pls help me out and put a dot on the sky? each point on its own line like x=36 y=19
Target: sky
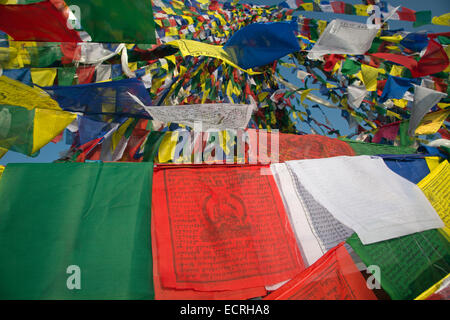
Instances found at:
x=438 y=7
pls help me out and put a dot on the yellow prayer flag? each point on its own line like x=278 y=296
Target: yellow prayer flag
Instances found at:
x=395 y=38
x=15 y=93
x=432 y=162
x=443 y=20
x=3 y=151
x=118 y=134
x=361 y=10
x=166 y=151
x=369 y=77
x=396 y=71
x=436 y=187
x=401 y=103
x=197 y=48
x=431 y=123
x=43 y=77
x=307 y=6
x=48 y=124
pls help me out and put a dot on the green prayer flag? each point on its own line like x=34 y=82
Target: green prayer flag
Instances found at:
x=405 y=139
x=118 y=20
x=407 y=265
x=16 y=129
x=350 y=66
x=66 y=76
x=76 y=231
x=422 y=18
x=444 y=40
x=363 y=148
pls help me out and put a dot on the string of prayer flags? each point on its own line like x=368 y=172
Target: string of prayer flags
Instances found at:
x=221 y=228
x=79 y=249
x=333 y=277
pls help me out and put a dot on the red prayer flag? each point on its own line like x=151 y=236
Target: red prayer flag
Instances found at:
x=85 y=74
x=221 y=227
x=333 y=277
x=162 y=293
x=433 y=61
x=388 y=132
x=40 y=21
x=406 y=14
x=311 y=146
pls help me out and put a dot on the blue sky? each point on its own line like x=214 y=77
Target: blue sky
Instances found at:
x=438 y=7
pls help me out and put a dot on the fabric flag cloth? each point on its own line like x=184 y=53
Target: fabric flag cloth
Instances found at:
x=221 y=228
x=432 y=122
x=409 y=265
x=23 y=75
x=43 y=76
x=29 y=118
x=94 y=218
x=315 y=228
x=438 y=291
x=393 y=206
x=369 y=77
x=16 y=93
x=343 y=37
x=296 y=147
x=355 y=96
x=434 y=60
x=3 y=151
x=424 y=99
x=117 y=21
x=436 y=188
x=2 y=168
x=105 y=98
x=415 y=41
x=333 y=277
x=219 y=116
x=162 y=293
x=259 y=44
x=388 y=132
x=27 y=131
x=42 y=21
x=395 y=88
x=363 y=148
x=411 y=167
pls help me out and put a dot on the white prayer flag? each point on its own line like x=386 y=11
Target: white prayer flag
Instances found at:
x=343 y=37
